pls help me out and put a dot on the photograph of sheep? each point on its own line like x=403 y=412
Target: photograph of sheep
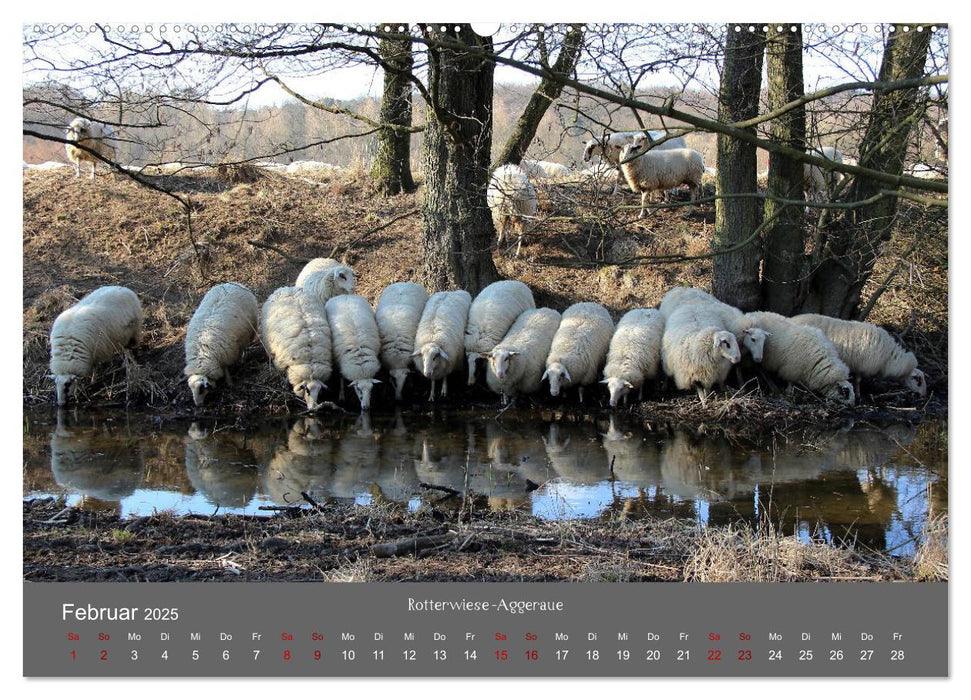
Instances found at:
x=414 y=302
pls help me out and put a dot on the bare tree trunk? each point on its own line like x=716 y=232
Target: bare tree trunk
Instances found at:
x=549 y=90
x=735 y=275
x=458 y=232
x=854 y=241
x=392 y=167
x=785 y=244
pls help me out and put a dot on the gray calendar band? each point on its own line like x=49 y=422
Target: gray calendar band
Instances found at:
x=485 y=629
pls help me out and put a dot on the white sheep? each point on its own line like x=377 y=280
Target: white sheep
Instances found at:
x=516 y=363
x=95 y=136
x=648 y=171
x=90 y=332
x=820 y=184
x=512 y=199
x=869 y=351
x=296 y=336
x=634 y=354
x=802 y=354
x=225 y=323
x=544 y=170
x=491 y=315
x=610 y=146
x=750 y=337
x=697 y=350
x=325 y=278
x=398 y=313
x=579 y=347
x=439 y=340
x=356 y=342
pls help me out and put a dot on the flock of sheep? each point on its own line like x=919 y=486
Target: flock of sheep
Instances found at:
x=318 y=324
x=318 y=327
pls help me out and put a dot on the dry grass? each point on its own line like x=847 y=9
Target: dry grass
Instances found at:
x=931 y=561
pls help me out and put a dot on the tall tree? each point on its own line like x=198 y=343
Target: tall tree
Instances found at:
x=784 y=238
x=392 y=166
x=546 y=93
x=854 y=241
x=458 y=232
x=735 y=274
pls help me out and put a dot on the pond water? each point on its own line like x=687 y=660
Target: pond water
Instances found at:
x=872 y=485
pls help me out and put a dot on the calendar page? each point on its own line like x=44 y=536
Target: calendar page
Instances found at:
x=485 y=350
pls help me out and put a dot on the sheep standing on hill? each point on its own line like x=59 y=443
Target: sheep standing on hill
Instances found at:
x=750 y=337
x=803 y=354
x=516 y=363
x=90 y=332
x=296 y=335
x=654 y=170
x=697 y=350
x=579 y=347
x=634 y=355
x=511 y=200
x=491 y=315
x=224 y=324
x=356 y=342
x=610 y=146
x=439 y=340
x=398 y=313
x=326 y=278
x=97 y=137
x=869 y=351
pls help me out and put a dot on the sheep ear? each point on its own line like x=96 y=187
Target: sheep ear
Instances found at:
x=513 y=353
x=377 y=381
x=443 y=354
x=416 y=353
x=566 y=373
x=628 y=385
x=605 y=381
x=546 y=375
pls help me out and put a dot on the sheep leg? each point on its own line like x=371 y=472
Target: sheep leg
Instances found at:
x=431 y=396
x=444 y=386
x=703 y=395
x=340 y=395
x=644 y=196
x=229 y=380
x=581 y=394
x=93 y=166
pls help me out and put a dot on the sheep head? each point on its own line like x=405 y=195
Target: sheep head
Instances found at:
x=592 y=145
x=753 y=340
x=432 y=358
x=618 y=389
x=557 y=374
x=78 y=129
x=65 y=383
x=199 y=385
x=725 y=345
x=499 y=361
x=309 y=392
x=343 y=278
x=398 y=377
x=842 y=392
x=917 y=382
x=362 y=387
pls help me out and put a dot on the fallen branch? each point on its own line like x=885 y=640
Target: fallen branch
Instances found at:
x=412 y=545
x=281 y=253
x=445 y=489
x=379 y=227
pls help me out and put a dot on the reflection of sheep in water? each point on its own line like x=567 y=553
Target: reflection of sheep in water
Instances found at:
x=91 y=332
x=576 y=454
x=305 y=463
x=635 y=456
x=356 y=459
x=220 y=467
x=99 y=460
x=397 y=480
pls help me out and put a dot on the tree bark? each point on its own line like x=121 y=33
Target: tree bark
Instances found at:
x=735 y=275
x=392 y=166
x=784 y=264
x=548 y=91
x=458 y=233
x=854 y=241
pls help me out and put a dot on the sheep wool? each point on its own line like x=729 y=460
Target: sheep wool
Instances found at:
x=750 y=337
x=660 y=169
x=223 y=325
x=516 y=363
x=491 y=315
x=696 y=350
x=356 y=342
x=95 y=136
x=634 y=354
x=511 y=198
x=296 y=335
x=90 y=332
x=579 y=347
x=326 y=278
x=398 y=313
x=439 y=340
x=803 y=354
x=869 y=351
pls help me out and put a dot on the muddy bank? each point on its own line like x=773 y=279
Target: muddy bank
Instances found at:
x=448 y=539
